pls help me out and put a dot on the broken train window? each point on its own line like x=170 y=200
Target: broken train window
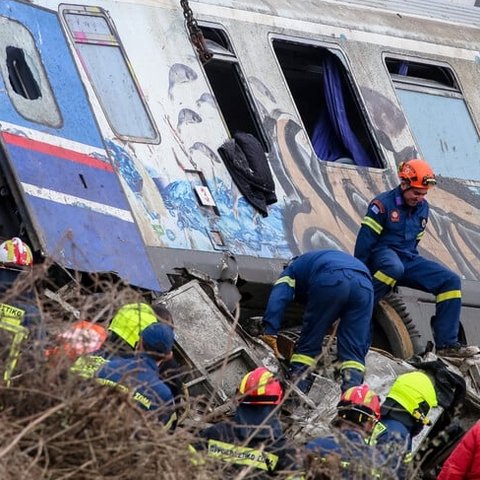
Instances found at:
x=24 y=76
x=229 y=86
x=438 y=116
x=327 y=103
x=106 y=65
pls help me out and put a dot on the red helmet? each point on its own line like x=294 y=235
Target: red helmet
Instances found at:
x=16 y=252
x=361 y=399
x=417 y=173
x=260 y=387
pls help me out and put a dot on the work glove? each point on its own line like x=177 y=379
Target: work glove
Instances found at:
x=271 y=341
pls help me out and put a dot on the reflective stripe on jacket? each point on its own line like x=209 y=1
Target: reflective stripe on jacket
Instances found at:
x=239 y=455
x=390 y=223
x=11 y=319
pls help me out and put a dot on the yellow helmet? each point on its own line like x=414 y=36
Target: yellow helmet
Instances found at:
x=415 y=392
x=130 y=320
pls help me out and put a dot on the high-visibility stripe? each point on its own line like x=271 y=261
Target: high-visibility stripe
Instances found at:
x=408 y=457
x=88 y=366
x=381 y=277
x=19 y=333
x=137 y=396
x=173 y=418
x=375 y=226
x=195 y=458
x=263 y=382
x=378 y=430
x=288 y=280
x=352 y=364
x=242 y=455
x=243 y=384
x=10 y=314
x=420 y=235
x=450 y=295
x=303 y=359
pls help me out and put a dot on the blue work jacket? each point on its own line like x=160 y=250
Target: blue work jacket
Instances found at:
x=393 y=440
x=254 y=439
x=137 y=374
x=390 y=223
x=299 y=275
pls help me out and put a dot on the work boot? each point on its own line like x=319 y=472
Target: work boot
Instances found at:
x=351 y=377
x=457 y=350
x=296 y=375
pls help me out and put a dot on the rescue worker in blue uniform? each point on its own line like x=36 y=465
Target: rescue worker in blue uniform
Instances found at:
x=254 y=439
x=387 y=243
x=346 y=454
x=124 y=333
x=137 y=373
x=331 y=284
x=402 y=416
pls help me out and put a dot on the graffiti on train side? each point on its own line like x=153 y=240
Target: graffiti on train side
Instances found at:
x=186 y=225
x=320 y=204
x=326 y=203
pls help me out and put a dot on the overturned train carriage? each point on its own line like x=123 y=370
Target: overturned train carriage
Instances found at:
x=117 y=120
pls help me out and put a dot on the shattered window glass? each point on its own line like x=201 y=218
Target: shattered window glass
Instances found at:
x=24 y=77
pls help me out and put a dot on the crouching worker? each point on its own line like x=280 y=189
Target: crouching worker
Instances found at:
x=403 y=415
x=137 y=372
x=345 y=454
x=124 y=333
x=331 y=284
x=122 y=338
x=254 y=440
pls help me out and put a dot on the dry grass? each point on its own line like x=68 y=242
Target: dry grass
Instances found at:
x=55 y=426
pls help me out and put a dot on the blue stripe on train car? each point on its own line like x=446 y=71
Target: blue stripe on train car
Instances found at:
x=97 y=218
x=83 y=253
x=85 y=181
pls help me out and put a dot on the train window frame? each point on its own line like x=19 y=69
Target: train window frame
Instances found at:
x=305 y=72
x=444 y=147
x=26 y=84
x=436 y=77
x=134 y=98
x=225 y=58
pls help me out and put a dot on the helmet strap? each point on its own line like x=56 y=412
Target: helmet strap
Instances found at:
x=405 y=185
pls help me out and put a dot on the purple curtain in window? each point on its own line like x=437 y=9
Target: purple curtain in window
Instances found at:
x=403 y=69
x=332 y=136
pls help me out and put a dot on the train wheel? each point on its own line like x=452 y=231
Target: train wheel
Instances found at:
x=394 y=330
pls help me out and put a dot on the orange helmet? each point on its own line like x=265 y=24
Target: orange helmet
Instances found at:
x=81 y=338
x=16 y=252
x=260 y=387
x=417 y=173
x=361 y=399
